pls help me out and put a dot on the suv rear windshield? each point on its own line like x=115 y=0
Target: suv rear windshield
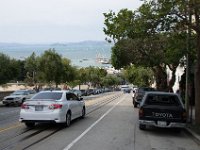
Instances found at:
x=48 y=95
x=166 y=100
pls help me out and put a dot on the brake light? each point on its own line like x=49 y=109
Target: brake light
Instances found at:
x=55 y=106
x=24 y=106
x=141 y=112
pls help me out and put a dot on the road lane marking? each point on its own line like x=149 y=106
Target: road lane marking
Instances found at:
x=90 y=127
x=12 y=127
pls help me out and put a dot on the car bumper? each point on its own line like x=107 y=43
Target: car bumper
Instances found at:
x=170 y=125
x=42 y=117
x=11 y=102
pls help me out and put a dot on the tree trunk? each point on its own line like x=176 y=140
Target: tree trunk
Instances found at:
x=197 y=83
x=161 y=78
x=172 y=80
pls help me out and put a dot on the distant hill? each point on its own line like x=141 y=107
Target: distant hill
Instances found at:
x=82 y=43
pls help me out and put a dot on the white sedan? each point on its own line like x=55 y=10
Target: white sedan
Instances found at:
x=52 y=106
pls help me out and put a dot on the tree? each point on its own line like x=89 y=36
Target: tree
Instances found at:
x=94 y=75
x=31 y=66
x=6 y=71
x=51 y=67
x=140 y=76
x=70 y=73
x=110 y=80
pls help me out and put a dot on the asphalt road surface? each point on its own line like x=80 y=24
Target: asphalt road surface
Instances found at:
x=111 y=123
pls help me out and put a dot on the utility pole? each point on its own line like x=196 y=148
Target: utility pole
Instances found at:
x=188 y=80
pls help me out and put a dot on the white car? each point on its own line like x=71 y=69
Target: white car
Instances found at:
x=18 y=97
x=52 y=106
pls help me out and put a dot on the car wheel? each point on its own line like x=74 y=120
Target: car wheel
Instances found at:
x=142 y=126
x=83 y=113
x=135 y=104
x=68 y=119
x=30 y=124
x=23 y=100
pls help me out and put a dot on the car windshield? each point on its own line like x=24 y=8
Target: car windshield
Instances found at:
x=19 y=93
x=48 y=95
x=169 y=100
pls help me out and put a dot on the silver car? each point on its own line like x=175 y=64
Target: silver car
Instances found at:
x=52 y=106
x=18 y=97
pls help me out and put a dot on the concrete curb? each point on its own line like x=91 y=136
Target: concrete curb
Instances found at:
x=195 y=136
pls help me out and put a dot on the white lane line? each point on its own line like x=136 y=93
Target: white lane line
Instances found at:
x=90 y=127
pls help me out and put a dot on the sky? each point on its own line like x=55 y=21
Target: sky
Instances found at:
x=52 y=21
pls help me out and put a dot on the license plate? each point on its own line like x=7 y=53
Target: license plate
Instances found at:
x=162 y=123
x=38 y=108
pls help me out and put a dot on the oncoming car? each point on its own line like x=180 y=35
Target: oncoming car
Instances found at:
x=162 y=109
x=52 y=106
x=125 y=89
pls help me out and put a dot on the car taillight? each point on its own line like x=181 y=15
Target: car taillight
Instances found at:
x=24 y=106
x=55 y=106
x=141 y=112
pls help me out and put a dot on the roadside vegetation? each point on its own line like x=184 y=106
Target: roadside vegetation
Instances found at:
x=51 y=69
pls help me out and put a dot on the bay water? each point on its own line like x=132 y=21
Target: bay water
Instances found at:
x=82 y=54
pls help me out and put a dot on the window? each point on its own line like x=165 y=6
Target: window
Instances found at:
x=48 y=95
x=71 y=97
x=166 y=100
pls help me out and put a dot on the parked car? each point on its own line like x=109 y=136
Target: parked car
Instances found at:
x=77 y=92
x=52 y=106
x=90 y=91
x=139 y=94
x=18 y=97
x=84 y=92
x=162 y=109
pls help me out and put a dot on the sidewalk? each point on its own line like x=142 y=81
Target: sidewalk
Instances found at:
x=194 y=135
x=191 y=132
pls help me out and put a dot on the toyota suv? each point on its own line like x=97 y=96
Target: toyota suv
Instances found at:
x=162 y=109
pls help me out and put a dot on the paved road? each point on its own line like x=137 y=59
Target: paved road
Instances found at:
x=108 y=126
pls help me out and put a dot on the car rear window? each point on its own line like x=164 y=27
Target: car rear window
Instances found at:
x=166 y=100
x=48 y=95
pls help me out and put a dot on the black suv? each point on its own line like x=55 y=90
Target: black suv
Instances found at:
x=139 y=94
x=162 y=109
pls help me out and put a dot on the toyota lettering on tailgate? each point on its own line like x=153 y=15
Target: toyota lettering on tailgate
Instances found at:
x=162 y=115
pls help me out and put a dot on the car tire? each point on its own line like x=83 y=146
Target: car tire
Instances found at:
x=142 y=126
x=23 y=100
x=30 y=124
x=68 y=119
x=135 y=104
x=83 y=113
